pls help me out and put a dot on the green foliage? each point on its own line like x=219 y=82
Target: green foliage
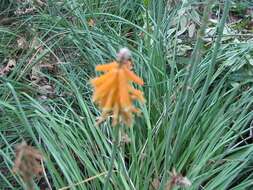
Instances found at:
x=197 y=117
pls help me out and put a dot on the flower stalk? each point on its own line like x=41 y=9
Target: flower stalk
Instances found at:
x=115 y=143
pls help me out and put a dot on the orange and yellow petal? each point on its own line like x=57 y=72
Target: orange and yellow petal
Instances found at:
x=115 y=117
x=136 y=94
x=110 y=99
x=100 y=80
x=107 y=67
x=105 y=88
x=133 y=77
x=125 y=101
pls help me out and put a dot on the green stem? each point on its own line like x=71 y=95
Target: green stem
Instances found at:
x=125 y=172
x=113 y=156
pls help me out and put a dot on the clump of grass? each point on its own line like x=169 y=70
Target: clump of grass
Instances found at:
x=197 y=117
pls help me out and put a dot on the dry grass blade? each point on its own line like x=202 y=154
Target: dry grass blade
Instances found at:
x=85 y=181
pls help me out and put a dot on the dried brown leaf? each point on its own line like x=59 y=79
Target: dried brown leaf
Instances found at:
x=27 y=162
x=177 y=180
x=20 y=12
x=9 y=67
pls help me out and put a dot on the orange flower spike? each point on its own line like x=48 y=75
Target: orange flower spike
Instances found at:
x=113 y=91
